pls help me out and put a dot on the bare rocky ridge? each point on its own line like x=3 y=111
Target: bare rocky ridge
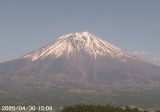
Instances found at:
x=79 y=68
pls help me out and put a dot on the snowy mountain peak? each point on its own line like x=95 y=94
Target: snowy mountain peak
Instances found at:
x=79 y=43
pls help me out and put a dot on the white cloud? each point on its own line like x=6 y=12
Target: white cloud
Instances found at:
x=156 y=58
x=140 y=52
x=148 y=56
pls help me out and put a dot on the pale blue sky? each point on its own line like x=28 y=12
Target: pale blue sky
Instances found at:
x=133 y=25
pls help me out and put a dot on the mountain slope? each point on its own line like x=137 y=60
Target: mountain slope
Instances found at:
x=79 y=67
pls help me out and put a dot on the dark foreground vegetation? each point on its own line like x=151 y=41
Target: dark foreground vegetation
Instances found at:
x=98 y=108
x=91 y=108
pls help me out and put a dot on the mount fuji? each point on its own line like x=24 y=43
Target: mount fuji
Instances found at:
x=79 y=68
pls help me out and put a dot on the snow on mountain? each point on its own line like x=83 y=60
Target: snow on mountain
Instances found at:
x=75 y=43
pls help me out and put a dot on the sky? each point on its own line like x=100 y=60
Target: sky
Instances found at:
x=132 y=25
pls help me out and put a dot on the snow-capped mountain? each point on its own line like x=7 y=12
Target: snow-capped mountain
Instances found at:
x=76 y=43
x=80 y=66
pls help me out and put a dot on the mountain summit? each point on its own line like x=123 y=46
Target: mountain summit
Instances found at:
x=78 y=43
x=79 y=67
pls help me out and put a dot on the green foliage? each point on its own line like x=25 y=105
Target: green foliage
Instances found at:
x=98 y=108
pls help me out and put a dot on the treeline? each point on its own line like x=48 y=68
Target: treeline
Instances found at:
x=98 y=108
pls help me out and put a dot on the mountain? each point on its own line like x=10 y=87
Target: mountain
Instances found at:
x=79 y=68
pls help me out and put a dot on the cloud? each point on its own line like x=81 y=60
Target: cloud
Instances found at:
x=156 y=58
x=140 y=52
x=148 y=56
